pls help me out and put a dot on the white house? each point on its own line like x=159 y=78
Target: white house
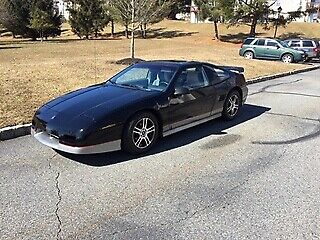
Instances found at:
x=287 y=6
x=62 y=7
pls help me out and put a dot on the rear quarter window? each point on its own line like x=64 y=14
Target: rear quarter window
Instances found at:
x=216 y=75
x=248 y=41
x=307 y=44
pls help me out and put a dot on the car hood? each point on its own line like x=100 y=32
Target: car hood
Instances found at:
x=92 y=101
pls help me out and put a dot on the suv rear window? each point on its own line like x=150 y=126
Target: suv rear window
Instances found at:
x=260 y=42
x=307 y=44
x=248 y=41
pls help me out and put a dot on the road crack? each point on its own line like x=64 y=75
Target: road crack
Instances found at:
x=264 y=89
x=56 y=212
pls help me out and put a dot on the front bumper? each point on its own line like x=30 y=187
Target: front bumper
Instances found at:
x=54 y=143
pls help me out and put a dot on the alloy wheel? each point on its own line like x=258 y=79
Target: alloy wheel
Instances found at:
x=233 y=105
x=143 y=133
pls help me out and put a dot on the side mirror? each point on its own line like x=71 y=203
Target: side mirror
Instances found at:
x=181 y=91
x=278 y=46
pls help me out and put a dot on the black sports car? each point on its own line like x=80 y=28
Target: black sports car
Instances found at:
x=143 y=102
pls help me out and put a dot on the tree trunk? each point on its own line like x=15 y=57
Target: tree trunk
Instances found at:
x=253 y=26
x=144 y=30
x=216 y=30
x=276 y=30
x=132 y=47
x=126 y=31
x=141 y=31
x=112 y=28
x=41 y=35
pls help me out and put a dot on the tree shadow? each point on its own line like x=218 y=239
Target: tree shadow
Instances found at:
x=153 y=33
x=236 y=38
x=291 y=35
x=214 y=127
x=9 y=47
x=162 y=33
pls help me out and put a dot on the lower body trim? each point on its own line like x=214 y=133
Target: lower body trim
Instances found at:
x=49 y=141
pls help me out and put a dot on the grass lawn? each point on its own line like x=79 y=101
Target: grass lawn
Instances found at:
x=32 y=73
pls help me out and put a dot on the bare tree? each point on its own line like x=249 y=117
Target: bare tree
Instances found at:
x=136 y=13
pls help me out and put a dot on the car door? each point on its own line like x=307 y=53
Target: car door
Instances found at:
x=259 y=46
x=273 y=49
x=196 y=103
x=218 y=77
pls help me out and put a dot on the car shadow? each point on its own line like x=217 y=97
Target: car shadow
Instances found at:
x=214 y=127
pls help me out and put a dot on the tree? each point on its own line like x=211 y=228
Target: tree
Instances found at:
x=251 y=12
x=136 y=13
x=180 y=6
x=17 y=17
x=40 y=21
x=88 y=17
x=45 y=19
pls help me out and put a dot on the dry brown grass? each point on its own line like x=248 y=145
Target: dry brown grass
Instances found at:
x=33 y=73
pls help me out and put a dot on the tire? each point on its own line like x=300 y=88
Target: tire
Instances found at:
x=248 y=55
x=232 y=105
x=140 y=133
x=287 y=58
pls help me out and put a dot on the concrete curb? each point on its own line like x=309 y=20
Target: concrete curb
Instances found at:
x=279 y=75
x=22 y=130
x=14 y=132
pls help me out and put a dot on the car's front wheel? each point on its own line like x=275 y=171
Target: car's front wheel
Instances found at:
x=140 y=133
x=232 y=105
x=287 y=58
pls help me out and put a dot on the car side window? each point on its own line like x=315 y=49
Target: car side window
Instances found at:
x=260 y=42
x=216 y=75
x=307 y=44
x=192 y=78
x=272 y=44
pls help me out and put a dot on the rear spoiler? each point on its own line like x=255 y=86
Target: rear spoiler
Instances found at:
x=233 y=69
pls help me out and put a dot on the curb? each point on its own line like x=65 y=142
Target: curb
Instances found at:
x=14 y=132
x=22 y=130
x=279 y=75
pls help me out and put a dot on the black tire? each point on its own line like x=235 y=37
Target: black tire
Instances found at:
x=287 y=58
x=248 y=55
x=232 y=105
x=136 y=137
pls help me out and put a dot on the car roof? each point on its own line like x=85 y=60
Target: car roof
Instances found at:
x=175 y=63
x=299 y=39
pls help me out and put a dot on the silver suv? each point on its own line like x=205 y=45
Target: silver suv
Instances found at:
x=311 y=47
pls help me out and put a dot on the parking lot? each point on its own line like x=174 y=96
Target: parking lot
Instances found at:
x=256 y=177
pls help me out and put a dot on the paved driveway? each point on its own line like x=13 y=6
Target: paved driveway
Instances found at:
x=254 y=178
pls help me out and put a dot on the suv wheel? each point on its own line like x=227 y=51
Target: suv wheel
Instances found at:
x=248 y=55
x=287 y=58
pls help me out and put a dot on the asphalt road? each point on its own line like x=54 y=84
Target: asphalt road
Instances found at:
x=257 y=177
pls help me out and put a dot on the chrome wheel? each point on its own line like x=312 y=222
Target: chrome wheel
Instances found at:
x=233 y=105
x=287 y=58
x=143 y=133
x=248 y=55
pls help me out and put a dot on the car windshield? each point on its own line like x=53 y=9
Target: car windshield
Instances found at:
x=283 y=44
x=148 y=77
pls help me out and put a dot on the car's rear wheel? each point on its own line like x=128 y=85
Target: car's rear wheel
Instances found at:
x=248 y=55
x=231 y=105
x=287 y=58
x=140 y=133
